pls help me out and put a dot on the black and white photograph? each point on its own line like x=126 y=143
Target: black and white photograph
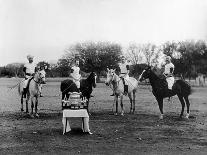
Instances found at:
x=108 y=77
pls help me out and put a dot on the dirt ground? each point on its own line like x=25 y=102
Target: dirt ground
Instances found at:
x=139 y=133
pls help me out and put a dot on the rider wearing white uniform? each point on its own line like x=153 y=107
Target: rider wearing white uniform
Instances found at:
x=75 y=74
x=168 y=72
x=29 y=70
x=124 y=73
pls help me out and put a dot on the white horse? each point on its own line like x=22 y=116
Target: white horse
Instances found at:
x=33 y=91
x=118 y=89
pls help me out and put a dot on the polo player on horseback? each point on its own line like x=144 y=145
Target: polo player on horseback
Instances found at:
x=124 y=73
x=168 y=72
x=29 y=71
x=75 y=73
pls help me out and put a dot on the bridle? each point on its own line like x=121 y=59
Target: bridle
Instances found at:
x=39 y=78
x=112 y=79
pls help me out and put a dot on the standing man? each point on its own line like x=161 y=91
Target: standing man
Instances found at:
x=75 y=73
x=29 y=70
x=168 y=72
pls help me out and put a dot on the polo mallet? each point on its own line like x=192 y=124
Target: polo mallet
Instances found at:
x=16 y=85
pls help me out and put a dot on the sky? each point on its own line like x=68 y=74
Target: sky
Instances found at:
x=45 y=28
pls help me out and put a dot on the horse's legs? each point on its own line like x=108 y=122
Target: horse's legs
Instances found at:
x=121 y=103
x=36 y=104
x=22 y=100
x=134 y=98
x=32 y=106
x=116 y=100
x=188 y=106
x=130 y=98
x=27 y=100
x=160 y=103
x=63 y=98
x=183 y=105
x=87 y=105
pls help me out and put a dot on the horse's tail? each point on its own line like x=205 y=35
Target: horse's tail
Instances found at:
x=19 y=89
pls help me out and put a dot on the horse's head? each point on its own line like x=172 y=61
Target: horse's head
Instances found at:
x=110 y=76
x=153 y=72
x=40 y=76
x=92 y=79
x=145 y=74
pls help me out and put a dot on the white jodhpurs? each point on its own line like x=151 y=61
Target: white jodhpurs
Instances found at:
x=25 y=82
x=170 y=81
x=77 y=83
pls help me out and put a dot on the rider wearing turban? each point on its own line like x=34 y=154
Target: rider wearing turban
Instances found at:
x=29 y=70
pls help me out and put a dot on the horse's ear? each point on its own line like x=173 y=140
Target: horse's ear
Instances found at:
x=150 y=67
x=107 y=69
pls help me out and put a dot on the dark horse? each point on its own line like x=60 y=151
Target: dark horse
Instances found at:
x=160 y=89
x=86 y=87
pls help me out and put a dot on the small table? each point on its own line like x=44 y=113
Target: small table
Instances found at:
x=75 y=113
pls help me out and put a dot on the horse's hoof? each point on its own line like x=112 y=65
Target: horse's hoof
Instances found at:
x=115 y=114
x=187 y=116
x=37 y=115
x=32 y=115
x=22 y=110
x=161 y=116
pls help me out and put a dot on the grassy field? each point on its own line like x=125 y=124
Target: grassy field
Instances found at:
x=139 y=133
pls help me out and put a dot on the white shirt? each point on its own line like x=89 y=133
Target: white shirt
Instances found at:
x=30 y=68
x=123 y=68
x=75 y=74
x=167 y=68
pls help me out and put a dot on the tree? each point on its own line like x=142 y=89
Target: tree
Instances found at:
x=16 y=69
x=63 y=67
x=134 y=52
x=95 y=56
x=44 y=64
x=151 y=54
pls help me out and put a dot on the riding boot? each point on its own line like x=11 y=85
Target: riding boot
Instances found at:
x=24 y=92
x=125 y=89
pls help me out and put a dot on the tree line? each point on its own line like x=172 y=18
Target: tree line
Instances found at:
x=189 y=58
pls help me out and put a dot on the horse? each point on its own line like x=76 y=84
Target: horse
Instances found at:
x=160 y=89
x=118 y=89
x=33 y=91
x=86 y=87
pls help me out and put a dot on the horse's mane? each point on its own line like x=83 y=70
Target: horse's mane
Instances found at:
x=158 y=72
x=158 y=78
